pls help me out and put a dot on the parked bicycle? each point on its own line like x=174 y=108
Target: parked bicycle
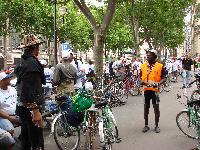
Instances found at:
x=188 y=120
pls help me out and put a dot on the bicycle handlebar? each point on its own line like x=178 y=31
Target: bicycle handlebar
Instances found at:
x=192 y=82
x=197 y=102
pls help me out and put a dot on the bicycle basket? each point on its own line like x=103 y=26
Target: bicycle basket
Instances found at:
x=75 y=118
x=81 y=102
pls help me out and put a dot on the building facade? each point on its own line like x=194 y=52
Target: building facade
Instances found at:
x=195 y=33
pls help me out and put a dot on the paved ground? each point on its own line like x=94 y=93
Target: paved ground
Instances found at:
x=130 y=121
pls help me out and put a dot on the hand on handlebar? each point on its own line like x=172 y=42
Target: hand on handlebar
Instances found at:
x=153 y=85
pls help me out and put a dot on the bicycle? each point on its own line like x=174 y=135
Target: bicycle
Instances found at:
x=90 y=128
x=166 y=86
x=99 y=121
x=136 y=87
x=66 y=126
x=188 y=120
x=108 y=135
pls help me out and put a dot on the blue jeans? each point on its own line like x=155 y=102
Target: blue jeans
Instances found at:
x=6 y=138
x=186 y=77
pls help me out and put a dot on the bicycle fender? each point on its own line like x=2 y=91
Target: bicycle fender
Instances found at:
x=185 y=109
x=54 y=121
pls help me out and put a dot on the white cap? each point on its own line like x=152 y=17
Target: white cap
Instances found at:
x=43 y=62
x=66 y=54
x=153 y=51
x=3 y=75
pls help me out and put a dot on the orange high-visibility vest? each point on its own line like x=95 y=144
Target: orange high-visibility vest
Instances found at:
x=151 y=75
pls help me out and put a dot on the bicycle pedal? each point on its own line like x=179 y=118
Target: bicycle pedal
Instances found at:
x=118 y=140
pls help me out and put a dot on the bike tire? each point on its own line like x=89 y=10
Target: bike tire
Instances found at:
x=135 y=90
x=66 y=136
x=107 y=147
x=190 y=131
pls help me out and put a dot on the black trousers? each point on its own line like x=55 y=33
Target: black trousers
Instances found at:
x=31 y=135
x=151 y=95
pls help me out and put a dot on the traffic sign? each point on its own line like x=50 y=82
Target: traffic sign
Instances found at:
x=66 y=47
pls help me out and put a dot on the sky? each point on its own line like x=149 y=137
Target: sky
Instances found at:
x=95 y=2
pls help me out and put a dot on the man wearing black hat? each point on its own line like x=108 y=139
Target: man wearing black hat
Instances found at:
x=30 y=77
x=152 y=76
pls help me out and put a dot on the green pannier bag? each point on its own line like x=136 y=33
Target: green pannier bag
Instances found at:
x=81 y=101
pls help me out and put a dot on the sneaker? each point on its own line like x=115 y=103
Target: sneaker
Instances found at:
x=157 y=129
x=145 y=129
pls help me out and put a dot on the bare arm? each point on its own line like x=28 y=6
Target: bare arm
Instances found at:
x=6 y=116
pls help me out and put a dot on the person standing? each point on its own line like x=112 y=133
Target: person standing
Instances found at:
x=49 y=78
x=111 y=70
x=65 y=75
x=30 y=77
x=186 y=65
x=80 y=73
x=152 y=76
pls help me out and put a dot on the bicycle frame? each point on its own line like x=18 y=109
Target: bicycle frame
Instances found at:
x=105 y=128
x=89 y=126
x=192 y=112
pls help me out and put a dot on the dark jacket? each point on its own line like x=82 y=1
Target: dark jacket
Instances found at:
x=30 y=77
x=187 y=63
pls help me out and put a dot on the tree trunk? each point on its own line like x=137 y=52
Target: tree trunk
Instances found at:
x=100 y=30
x=135 y=28
x=5 y=51
x=98 y=52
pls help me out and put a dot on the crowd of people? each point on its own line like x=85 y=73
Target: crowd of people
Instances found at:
x=23 y=105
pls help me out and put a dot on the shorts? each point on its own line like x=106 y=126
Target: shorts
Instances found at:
x=5 y=124
x=5 y=137
x=148 y=95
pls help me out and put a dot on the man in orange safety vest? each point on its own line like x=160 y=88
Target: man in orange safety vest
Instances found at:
x=152 y=75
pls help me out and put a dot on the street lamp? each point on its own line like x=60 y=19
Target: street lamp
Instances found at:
x=55 y=36
x=63 y=11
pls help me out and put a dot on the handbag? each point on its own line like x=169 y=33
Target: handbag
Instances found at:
x=81 y=101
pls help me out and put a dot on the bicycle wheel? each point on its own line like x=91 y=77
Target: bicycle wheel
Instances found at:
x=66 y=136
x=107 y=146
x=135 y=89
x=184 y=124
x=109 y=137
x=90 y=142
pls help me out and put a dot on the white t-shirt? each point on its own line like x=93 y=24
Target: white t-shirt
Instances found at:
x=175 y=65
x=137 y=64
x=8 y=100
x=48 y=74
x=106 y=68
x=116 y=64
x=49 y=77
x=89 y=68
x=169 y=66
x=79 y=69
